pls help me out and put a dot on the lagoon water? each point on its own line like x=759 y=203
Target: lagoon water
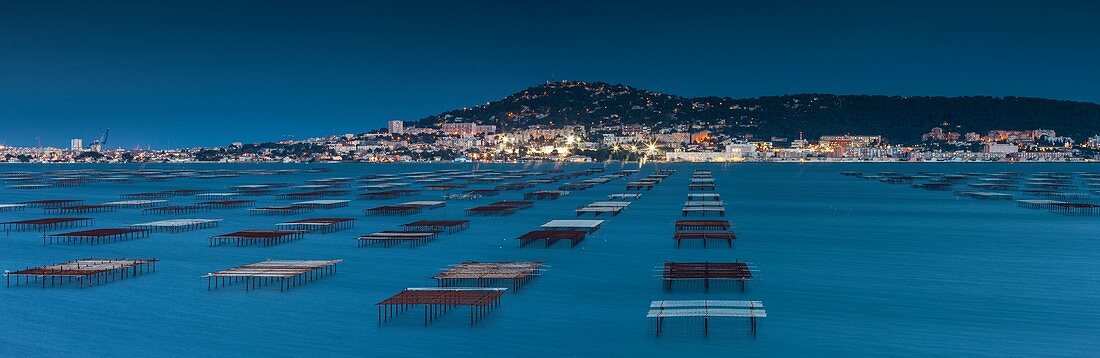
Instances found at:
x=848 y=267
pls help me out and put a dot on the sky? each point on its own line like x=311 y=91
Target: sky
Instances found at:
x=170 y=74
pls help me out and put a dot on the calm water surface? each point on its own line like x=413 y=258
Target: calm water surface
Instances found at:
x=848 y=267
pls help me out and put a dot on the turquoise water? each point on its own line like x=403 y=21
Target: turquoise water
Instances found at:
x=848 y=267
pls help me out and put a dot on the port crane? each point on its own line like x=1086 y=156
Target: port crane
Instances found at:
x=101 y=142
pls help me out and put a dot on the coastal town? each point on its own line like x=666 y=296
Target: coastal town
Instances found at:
x=422 y=179
x=402 y=141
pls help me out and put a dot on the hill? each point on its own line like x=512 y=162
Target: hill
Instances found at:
x=899 y=119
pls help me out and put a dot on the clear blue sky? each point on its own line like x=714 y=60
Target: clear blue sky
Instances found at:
x=185 y=73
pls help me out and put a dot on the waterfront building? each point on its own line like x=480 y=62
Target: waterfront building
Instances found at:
x=735 y=152
x=845 y=141
x=1001 y=148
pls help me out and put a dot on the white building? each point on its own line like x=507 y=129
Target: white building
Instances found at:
x=467 y=129
x=396 y=127
x=1001 y=148
x=485 y=129
x=459 y=128
x=76 y=144
x=733 y=153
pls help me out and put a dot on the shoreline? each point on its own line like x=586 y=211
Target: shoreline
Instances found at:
x=1081 y=161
